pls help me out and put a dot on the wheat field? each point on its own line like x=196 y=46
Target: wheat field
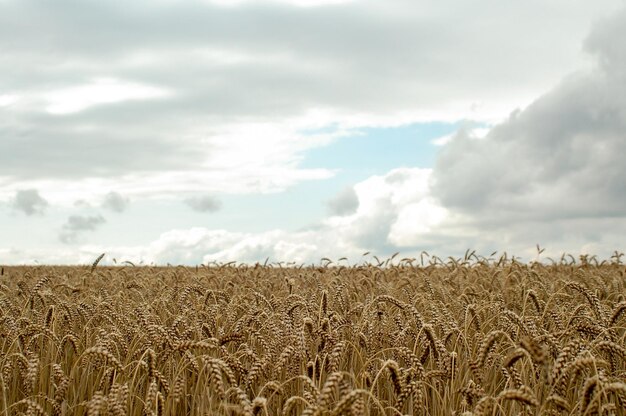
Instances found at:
x=470 y=336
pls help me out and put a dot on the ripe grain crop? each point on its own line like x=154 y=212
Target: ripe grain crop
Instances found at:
x=469 y=336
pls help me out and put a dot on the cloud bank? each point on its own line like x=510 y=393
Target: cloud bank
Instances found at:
x=236 y=112
x=551 y=174
x=560 y=158
x=153 y=95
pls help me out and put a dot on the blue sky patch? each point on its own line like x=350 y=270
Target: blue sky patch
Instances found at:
x=378 y=150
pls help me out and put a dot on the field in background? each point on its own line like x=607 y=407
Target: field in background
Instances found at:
x=461 y=337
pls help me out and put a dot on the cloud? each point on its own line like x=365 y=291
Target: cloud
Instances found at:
x=382 y=220
x=402 y=211
x=229 y=117
x=205 y=203
x=552 y=173
x=6 y=100
x=78 y=224
x=558 y=158
x=99 y=91
x=30 y=202
x=118 y=110
x=471 y=133
x=377 y=223
x=201 y=245
x=141 y=164
x=373 y=225
x=115 y=202
x=396 y=213
x=298 y=3
x=345 y=202
x=81 y=203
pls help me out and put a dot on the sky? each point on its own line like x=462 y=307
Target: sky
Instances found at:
x=198 y=131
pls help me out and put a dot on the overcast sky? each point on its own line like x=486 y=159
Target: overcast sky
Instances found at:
x=174 y=131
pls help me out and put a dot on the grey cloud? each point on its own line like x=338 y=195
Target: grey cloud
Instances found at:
x=206 y=203
x=81 y=203
x=354 y=32
x=344 y=203
x=339 y=57
x=603 y=44
x=550 y=167
x=29 y=202
x=560 y=158
x=53 y=147
x=115 y=202
x=77 y=224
